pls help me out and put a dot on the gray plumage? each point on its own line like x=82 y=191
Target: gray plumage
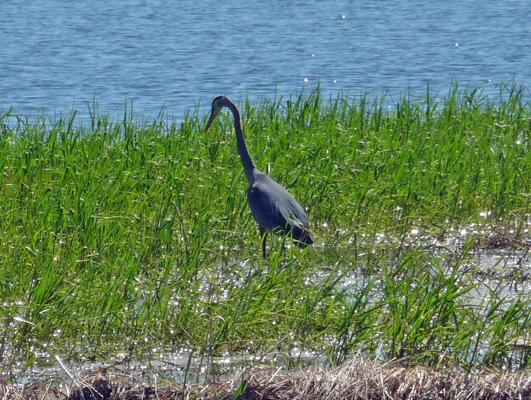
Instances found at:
x=273 y=207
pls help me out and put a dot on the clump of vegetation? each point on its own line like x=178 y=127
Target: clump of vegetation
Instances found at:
x=358 y=378
x=134 y=238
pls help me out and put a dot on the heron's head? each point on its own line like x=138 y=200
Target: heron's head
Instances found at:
x=217 y=105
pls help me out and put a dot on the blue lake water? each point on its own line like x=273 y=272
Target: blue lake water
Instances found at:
x=61 y=55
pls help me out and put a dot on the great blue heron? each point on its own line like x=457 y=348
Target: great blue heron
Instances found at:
x=272 y=206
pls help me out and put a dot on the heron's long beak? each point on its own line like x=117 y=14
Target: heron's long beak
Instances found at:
x=213 y=115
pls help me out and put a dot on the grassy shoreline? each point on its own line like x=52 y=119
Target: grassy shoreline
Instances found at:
x=135 y=238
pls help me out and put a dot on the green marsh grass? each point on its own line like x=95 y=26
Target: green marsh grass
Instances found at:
x=134 y=238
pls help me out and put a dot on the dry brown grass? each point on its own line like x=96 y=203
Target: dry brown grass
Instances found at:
x=359 y=378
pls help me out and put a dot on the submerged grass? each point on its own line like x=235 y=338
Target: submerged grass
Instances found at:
x=134 y=238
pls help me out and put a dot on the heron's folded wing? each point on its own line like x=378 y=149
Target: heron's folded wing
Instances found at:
x=274 y=207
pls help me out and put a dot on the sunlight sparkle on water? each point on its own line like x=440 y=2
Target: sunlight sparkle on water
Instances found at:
x=22 y=320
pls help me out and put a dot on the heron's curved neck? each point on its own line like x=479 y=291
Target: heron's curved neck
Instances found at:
x=248 y=164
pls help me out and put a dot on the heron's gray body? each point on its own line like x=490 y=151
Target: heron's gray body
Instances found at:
x=272 y=206
x=275 y=209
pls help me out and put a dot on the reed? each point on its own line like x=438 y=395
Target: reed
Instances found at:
x=128 y=237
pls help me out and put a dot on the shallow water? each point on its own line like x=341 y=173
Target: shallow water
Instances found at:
x=62 y=55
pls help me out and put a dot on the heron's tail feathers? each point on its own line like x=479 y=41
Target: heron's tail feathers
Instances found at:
x=300 y=234
x=303 y=238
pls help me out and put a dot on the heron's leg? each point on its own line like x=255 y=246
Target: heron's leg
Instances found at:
x=263 y=239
